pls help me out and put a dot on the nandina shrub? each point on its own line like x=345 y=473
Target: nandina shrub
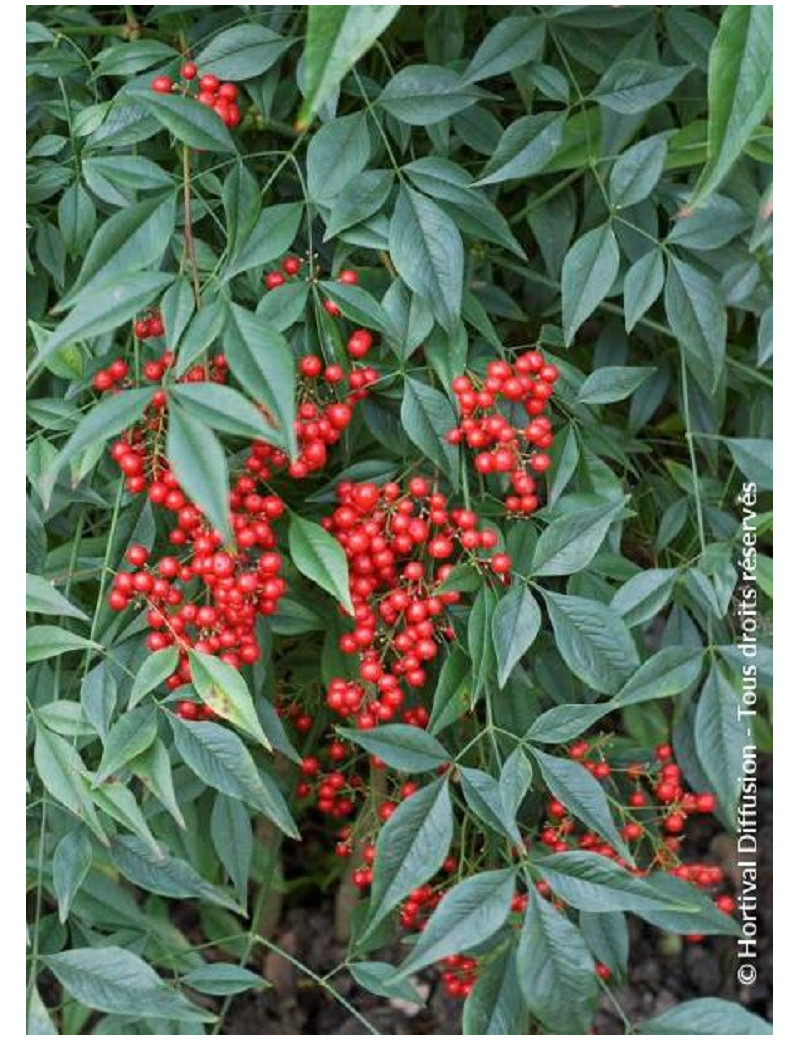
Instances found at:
x=399 y=493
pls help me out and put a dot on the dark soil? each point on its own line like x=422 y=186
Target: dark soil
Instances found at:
x=663 y=969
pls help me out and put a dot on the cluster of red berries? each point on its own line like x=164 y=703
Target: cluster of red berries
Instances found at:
x=659 y=792
x=139 y=452
x=210 y=599
x=501 y=419
x=149 y=327
x=400 y=546
x=321 y=420
x=218 y=96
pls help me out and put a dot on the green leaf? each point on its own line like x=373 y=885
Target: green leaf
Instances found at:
x=720 y=735
x=221 y=980
x=177 y=307
x=592 y=882
x=612 y=383
x=117 y=981
x=201 y=332
x=642 y=286
x=221 y=760
x=512 y=42
x=318 y=556
x=566 y=721
x=593 y=641
x=666 y=674
x=515 y=624
x=199 y=463
x=195 y=125
x=60 y=768
x=131 y=240
x=166 y=875
x=474 y=214
x=469 y=914
x=154 y=769
x=706 y=1016
x=224 y=409
x=739 y=89
x=105 y=308
x=42 y=598
x=337 y=152
x=273 y=234
x=43 y=641
x=525 y=148
x=358 y=305
x=696 y=314
x=495 y=1006
x=408 y=748
x=606 y=936
x=76 y=218
x=570 y=543
x=633 y=85
x=694 y=912
x=232 y=838
x=427 y=250
x=242 y=52
x=155 y=669
x=423 y=94
x=585 y=798
x=72 y=859
x=363 y=196
x=555 y=969
x=223 y=689
x=39 y=1022
x=262 y=362
x=644 y=595
x=103 y=421
x=479 y=640
x=484 y=797
x=130 y=735
x=753 y=456
x=336 y=37
x=451 y=698
x=636 y=172
x=411 y=847
x=377 y=977
x=590 y=268
x=427 y=416
x=99 y=697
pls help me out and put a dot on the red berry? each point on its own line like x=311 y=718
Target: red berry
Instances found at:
x=291 y=265
x=162 y=85
x=188 y=70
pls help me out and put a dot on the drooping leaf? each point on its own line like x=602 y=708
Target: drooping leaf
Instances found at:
x=427 y=251
x=589 y=270
x=118 y=981
x=318 y=556
x=336 y=37
x=739 y=89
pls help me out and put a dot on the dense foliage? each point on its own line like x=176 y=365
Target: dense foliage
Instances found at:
x=399 y=381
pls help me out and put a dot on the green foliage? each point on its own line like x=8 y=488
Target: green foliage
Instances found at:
x=593 y=180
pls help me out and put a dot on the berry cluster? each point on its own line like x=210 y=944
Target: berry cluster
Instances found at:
x=139 y=452
x=501 y=419
x=321 y=420
x=210 y=599
x=400 y=546
x=218 y=96
x=149 y=327
x=654 y=811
